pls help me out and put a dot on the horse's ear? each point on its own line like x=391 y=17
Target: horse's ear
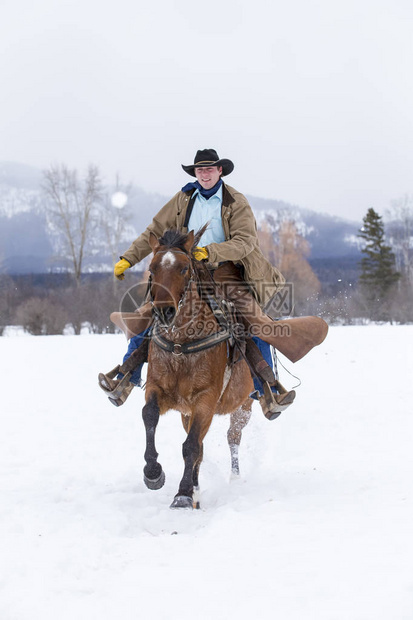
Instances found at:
x=188 y=245
x=153 y=241
x=200 y=232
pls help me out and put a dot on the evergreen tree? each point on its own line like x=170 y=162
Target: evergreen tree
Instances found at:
x=377 y=265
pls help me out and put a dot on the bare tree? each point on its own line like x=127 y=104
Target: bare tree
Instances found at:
x=288 y=250
x=72 y=208
x=116 y=216
x=293 y=251
x=40 y=316
x=400 y=232
x=7 y=290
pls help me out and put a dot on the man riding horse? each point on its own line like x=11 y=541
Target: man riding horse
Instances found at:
x=230 y=250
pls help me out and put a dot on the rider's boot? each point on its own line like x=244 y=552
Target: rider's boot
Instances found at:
x=275 y=398
x=117 y=390
x=257 y=362
x=273 y=403
x=120 y=381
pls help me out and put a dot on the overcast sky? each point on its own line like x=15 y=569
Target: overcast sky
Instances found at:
x=312 y=100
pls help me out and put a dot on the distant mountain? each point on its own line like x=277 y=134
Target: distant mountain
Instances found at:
x=26 y=241
x=19 y=175
x=329 y=236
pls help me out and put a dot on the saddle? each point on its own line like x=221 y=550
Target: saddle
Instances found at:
x=238 y=348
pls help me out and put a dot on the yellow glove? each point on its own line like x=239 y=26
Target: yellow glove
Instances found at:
x=120 y=267
x=200 y=253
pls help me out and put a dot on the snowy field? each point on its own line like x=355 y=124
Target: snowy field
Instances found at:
x=319 y=525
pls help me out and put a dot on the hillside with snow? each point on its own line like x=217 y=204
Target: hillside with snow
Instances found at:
x=27 y=243
x=318 y=527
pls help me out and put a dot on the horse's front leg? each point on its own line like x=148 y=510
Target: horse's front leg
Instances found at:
x=195 y=478
x=186 y=423
x=192 y=451
x=153 y=474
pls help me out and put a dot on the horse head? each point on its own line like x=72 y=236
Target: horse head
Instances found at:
x=171 y=271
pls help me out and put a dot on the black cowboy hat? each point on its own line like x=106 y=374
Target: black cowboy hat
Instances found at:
x=207 y=158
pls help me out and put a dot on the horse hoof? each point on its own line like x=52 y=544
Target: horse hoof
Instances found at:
x=182 y=501
x=156 y=484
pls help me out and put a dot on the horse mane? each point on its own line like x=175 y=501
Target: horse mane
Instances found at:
x=172 y=238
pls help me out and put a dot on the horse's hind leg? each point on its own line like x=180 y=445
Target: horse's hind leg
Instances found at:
x=239 y=420
x=153 y=474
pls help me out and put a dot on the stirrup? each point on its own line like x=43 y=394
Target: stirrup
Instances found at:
x=123 y=396
x=274 y=404
x=117 y=392
x=106 y=380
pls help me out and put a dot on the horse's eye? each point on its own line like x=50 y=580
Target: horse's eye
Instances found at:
x=184 y=270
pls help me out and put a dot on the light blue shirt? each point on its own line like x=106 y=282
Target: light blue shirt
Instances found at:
x=208 y=211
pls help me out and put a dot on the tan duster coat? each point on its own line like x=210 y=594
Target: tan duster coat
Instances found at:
x=240 y=246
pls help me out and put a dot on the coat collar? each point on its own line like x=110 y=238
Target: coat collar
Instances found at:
x=227 y=198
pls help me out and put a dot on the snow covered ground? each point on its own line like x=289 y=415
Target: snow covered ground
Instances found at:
x=319 y=526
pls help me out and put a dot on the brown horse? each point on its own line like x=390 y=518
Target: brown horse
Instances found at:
x=198 y=383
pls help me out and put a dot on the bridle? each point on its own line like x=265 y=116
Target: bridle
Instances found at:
x=156 y=311
x=192 y=346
